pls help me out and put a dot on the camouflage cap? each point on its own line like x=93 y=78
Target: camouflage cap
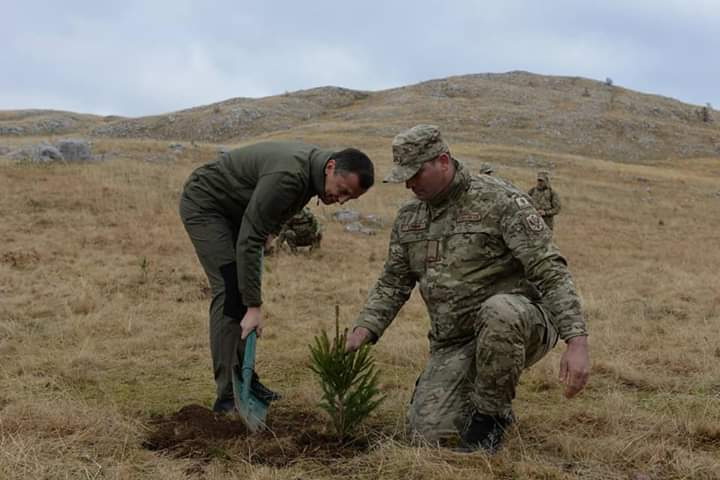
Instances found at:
x=543 y=175
x=412 y=148
x=487 y=168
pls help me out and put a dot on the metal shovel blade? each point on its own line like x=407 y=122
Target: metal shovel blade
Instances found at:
x=251 y=408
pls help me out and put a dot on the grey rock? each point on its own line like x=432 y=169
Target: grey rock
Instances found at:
x=75 y=150
x=42 y=153
x=11 y=130
x=346 y=216
x=54 y=125
x=48 y=154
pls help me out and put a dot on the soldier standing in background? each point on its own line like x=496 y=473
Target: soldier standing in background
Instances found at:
x=496 y=288
x=545 y=199
x=487 y=169
x=231 y=206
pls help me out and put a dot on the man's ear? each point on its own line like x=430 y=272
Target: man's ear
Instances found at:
x=330 y=167
x=444 y=159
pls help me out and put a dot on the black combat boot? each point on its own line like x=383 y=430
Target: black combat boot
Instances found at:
x=261 y=391
x=227 y=405
x=485 y=432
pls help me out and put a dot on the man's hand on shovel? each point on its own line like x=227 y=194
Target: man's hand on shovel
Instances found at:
x=251 y=321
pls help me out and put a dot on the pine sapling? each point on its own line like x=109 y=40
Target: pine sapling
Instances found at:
x=349 y=381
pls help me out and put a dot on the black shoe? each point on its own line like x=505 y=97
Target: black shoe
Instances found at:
x=485 y=432
x=224 y=405
x=262 y=392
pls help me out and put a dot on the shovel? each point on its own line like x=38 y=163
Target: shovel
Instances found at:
x=251 y=407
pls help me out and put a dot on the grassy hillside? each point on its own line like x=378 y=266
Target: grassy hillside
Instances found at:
x=104 y=359
x=549 y=113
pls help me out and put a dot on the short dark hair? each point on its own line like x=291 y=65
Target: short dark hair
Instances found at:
x=352 y=160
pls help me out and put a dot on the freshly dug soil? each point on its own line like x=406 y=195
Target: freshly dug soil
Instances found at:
x=196 y=432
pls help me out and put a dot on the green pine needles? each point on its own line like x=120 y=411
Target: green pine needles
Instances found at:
x=348 y=379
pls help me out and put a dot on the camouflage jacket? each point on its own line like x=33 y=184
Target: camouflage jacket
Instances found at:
x=304 y=224
x=546 y=200
x=483 y=237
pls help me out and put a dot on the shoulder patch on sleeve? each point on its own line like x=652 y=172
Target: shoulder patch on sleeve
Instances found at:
x=522 y=202
x=534 y=222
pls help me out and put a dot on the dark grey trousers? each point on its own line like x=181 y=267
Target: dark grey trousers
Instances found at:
x=213 y=237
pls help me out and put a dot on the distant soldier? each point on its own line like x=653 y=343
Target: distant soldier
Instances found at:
x=487 y=169
x=545 y=199
x=302 y=230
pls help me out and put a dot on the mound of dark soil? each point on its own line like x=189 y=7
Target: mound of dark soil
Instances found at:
x=196 y=432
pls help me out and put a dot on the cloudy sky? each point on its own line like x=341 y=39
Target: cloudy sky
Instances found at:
x=141 y=57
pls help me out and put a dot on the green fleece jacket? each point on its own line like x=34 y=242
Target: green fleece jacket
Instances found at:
x=258 y=188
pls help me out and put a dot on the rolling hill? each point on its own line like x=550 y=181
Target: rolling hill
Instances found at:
x=551 y=113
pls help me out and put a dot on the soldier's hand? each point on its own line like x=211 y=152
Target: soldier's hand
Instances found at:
x=575 y=366
x=251 y=321
x=356 y=338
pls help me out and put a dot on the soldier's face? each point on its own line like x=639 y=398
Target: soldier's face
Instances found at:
x=541 y=184
x=340 y=187
x=432 y=178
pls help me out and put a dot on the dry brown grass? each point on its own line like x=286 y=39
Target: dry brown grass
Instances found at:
x=103 y=324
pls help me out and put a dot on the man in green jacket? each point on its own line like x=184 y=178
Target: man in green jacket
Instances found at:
x=230 y=206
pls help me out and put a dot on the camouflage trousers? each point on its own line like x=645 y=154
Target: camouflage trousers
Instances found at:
x=480 y=375
x=300 y=238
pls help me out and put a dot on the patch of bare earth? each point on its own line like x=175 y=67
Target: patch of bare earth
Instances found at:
x=197 y=433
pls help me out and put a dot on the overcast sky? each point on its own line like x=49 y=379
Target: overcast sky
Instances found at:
x=142 y=57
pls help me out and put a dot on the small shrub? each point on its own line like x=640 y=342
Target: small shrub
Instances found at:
x=349 y=381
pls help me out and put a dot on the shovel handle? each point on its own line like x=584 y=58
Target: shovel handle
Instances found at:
x=248 y=366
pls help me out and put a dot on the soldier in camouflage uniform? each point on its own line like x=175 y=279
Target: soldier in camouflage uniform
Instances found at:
x=302 y=230
x=497 y=291
x=545 y=199
x=487 y=169
x=231 y=206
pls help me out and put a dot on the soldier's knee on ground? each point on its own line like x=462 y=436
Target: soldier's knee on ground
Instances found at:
x=441 y=402
x=290 y=239
x=442 y=430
